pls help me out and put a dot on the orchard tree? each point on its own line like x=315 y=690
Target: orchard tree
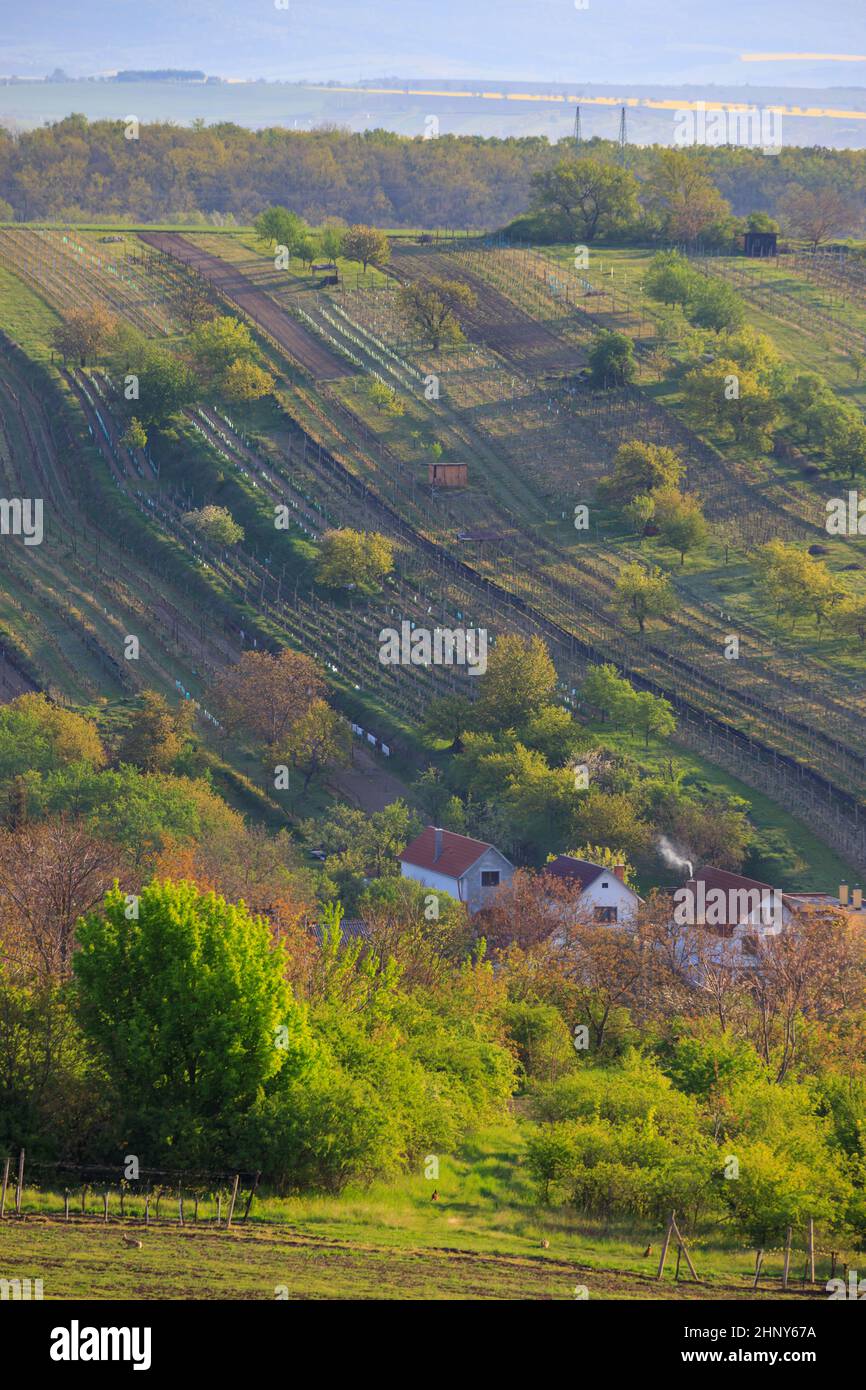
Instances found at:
x=519 y=680
x=651 y=715
x=165 y=386
x=276 y=226
x=448 y=716
x=724 y=398
x=135 y=435
x=644 y=593
x=605 y=690
x=816 y=214
x=611 y=360
x=84 y=334
x=214 y=346
x=245 y=381
x=216 y=524
x=350 y=559
x=319 y=740
x=366 y=244
x=639 y=469
x=433 y=307
x=680 y=520
x=51 y=873
x=156 y=734
x=266 y=694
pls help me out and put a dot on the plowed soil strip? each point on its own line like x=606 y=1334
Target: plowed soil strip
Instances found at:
x=304 y=346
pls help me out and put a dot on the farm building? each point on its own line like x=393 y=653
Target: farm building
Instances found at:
x=760 y=243
x=470 y=870
x=447 y=474
x=605 y=897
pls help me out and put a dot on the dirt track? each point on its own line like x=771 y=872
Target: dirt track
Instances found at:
x=304 y=346
x=495 y=321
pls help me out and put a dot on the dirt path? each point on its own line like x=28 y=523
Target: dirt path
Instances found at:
x=304 y=346
x=367 y=783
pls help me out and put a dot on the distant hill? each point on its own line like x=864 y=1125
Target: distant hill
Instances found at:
x=609 y=40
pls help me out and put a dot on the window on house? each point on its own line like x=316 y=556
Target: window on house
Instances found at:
x=605 y=885
x=489 y=878
x=605 y=914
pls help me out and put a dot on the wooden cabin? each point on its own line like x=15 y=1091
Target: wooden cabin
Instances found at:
x=760 y=243
x=447 y=474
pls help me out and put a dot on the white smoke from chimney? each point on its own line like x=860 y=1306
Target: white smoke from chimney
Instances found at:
x=672 y=858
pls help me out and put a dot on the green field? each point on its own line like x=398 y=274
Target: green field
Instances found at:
x=481 y=1240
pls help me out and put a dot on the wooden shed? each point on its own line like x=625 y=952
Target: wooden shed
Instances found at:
x=447 y=474
x=760 y=243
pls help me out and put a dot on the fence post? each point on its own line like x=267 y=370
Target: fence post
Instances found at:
x=20 y=1191
x=787 y=1264
x=6 y=1166
x=665 y=1244
x=233 y=1200
x=66 y=1204
x=811 y=1250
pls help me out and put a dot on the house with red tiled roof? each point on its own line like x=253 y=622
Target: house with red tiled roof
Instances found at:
x=605 y=898
x=737 y=910
x=470 y=870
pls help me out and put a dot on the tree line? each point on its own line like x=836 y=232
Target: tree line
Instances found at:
x=78 y=170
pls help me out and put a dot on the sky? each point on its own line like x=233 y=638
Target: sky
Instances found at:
x=621 y=41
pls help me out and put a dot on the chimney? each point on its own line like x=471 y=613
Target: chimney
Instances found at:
x=437 y=852
x=857 y=898
x=619 y=870
x=843 y=895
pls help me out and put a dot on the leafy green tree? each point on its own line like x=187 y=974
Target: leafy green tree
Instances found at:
x=37 y=736
x=135 y=435
x=849 y=616
x=448 y=716
x=433 y=306
x=796 y=582
x=277 y=226
x=639 y=469
x=350 y=559
x=319 y=740
x=652 y=715
x=246 y=381
x=551 y=731
x=155 y=735
x=588 y=197
x=640 y=510
x=680 y=188
x=680 y=521
x=216 y=524
x=670 y=278
x=165 y=386
x=519 y=680
x=186 y=1001
x=611 y=360
x=217 y=345
x=366 y=244
x=729 y=400
x=715 y=304
x=605 y=690
x=644 y=593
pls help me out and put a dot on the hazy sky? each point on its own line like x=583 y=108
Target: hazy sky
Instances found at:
x=635 y=41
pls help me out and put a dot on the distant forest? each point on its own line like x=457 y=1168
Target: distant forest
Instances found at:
x=77 y=170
